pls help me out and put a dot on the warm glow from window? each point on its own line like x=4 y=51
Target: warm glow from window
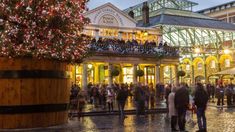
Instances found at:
x=197 y=50
x=89 y=66
x=227 y=51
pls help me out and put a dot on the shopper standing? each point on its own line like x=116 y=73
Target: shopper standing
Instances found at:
x=181 y=104
x=172 y=109
x=201 y=98
x=121 y=99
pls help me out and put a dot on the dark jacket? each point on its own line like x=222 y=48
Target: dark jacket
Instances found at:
x=122 y=95
x=182 y=98
x=201 y=98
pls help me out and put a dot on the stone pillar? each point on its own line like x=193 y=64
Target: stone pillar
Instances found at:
x=193 y=79
x=219 y=67
x=171 y=75
x=176 y=76
x=110 y=78
x=97 y=34
x=205 y=73
x=134 y=73
x=133 y=36
x=96 y=73
x=157 y=74
x=84 y=77
x=120 y=35
x=159 y=38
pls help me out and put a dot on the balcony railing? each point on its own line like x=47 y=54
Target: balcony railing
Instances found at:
x=128 y=49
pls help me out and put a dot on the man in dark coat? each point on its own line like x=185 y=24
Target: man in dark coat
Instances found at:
x=201 y=98
x=181 y=105
x=121 y=99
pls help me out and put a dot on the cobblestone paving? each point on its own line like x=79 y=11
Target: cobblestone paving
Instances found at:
x=218 y=121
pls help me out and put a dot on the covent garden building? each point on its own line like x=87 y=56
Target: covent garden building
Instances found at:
x=159 y=38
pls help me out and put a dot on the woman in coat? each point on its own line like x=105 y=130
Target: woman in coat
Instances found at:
x=172 y=109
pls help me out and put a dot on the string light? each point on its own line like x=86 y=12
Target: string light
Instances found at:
x=43 y=29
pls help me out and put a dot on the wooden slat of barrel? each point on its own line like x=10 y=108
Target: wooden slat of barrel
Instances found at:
x=35 y=91
x=1 y=100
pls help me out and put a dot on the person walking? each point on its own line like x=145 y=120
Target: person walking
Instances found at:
x=139 y=98
x=220 y=94
x=201 y=98
x=81 y=103
x=121 y=99
x=172 y=109
x=229 y=94
x=213 y=93
x=152 y=97
x=181 y=103
x=167 y=92
x=110 y=96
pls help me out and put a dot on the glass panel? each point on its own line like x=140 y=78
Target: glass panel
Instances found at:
x=212 y=64
x=128 y=74
x=199 y=66
x=78 y=75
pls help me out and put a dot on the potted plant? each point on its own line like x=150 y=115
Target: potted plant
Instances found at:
x=139 y=73
x=115 y=72
x=181 y=74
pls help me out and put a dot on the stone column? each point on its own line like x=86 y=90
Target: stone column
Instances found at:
x=171 y=76
x=157 y=74
x=193 y=79
x=110 y=78
x=160 y=38
x=96 y=73
x=176 y=76
x=133 y=36
x=84 y=77
x=120 y=35
x=205 y=72
x=97 y=34
x=134 y=73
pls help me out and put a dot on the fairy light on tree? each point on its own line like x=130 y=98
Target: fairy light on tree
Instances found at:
x=48 y=29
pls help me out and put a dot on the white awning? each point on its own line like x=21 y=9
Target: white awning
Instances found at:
x=226 y=72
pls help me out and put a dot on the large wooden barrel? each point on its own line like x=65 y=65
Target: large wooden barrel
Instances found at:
x=33 y=93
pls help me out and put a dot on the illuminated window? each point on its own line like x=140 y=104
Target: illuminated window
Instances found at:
x=227 y=63
x=199 y=66
x=212 y=64
x=187 y=67
x=78 y=74
x=128 y=74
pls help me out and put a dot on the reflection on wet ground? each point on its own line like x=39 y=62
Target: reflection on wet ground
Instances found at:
x=128 y=106
x=218 y=121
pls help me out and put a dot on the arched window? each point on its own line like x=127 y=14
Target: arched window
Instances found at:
x=199 y=66
x=213 y=64
x=227 y=63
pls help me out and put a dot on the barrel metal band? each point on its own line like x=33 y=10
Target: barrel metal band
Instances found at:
x=15 y=74
x=27 y=109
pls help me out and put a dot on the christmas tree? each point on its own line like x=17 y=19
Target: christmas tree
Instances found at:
x=44 y=29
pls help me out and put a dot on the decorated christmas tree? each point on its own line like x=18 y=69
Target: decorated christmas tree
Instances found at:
x=44 y=29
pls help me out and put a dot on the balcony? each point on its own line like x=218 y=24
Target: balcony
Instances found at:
x=112 y=49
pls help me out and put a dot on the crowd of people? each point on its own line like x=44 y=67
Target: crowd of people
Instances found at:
x=132 y=47
x=179 y=99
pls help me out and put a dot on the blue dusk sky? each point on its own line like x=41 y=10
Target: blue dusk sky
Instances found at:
x=123 y=4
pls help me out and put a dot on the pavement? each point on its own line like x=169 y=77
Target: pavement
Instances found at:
x=218 y=120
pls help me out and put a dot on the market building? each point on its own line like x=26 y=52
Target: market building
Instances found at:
x=224 y=12
x=198 y=44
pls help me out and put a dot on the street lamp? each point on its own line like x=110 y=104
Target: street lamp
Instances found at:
x=197 y=50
